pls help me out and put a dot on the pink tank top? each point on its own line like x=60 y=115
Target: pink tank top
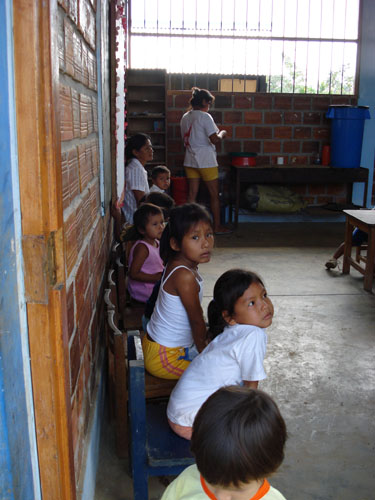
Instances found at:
x=141 y=290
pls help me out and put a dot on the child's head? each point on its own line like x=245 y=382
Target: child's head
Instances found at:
x=239 y=297
x=161 y=177
x=139 y=146
x=149 y=221
x=200 y=98
x=238 y=437
x=185 y=222
x=162 y=200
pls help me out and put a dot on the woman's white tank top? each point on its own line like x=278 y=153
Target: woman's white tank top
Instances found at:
x=169 y=324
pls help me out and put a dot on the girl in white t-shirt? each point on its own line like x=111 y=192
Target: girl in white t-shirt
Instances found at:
x=237 y=317
x=177 y=328
x=200 y=135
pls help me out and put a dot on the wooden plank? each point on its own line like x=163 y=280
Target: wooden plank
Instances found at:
x=50 y=402
x=36 y=88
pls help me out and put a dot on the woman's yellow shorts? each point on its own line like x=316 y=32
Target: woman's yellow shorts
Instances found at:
x=207 y=174
x=164 y=362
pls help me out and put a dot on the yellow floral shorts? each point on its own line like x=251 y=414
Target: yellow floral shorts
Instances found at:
x=165 y=362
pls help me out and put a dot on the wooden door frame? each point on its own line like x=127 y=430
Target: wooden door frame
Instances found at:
x=38 y=136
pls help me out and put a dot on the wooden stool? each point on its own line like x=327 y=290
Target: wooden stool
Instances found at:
x=364 y=220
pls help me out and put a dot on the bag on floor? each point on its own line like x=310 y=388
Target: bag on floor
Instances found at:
x=273 y=199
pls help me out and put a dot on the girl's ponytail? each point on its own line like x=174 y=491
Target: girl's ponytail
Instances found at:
x=199 y=96
x=165 y=246
x=216 y=322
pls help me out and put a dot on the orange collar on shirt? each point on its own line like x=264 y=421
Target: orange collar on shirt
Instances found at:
x=258 y=495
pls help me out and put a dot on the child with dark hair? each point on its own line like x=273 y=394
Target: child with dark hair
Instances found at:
x=161 y=179
x=238 y=441
x=162 y=200
x=177 y=328
x=145 y=263
x=237 y=317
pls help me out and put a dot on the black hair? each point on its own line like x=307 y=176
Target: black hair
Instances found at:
x=159 y=169
x=227 y=290
x=135 y=142
x=181 y=219
x=200 y=95
x=162 y=200
x=142 y=214
x=238 y=436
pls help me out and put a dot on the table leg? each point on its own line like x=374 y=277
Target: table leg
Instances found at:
x=348 y=246
x=370 y=259
x=365 y=194
x=237 y=200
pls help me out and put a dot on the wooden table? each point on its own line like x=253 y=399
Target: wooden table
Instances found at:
x=364 y=220
x=294 y=174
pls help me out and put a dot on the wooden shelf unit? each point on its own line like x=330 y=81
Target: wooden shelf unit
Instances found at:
x=146 y=108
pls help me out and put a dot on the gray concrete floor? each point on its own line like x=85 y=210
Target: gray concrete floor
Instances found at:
x=319 y=362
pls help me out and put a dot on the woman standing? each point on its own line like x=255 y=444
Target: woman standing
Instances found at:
x=200 y=135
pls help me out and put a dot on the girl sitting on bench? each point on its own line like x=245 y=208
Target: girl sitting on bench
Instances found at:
x=237 y=317
x=177 y=329
x=145 y=264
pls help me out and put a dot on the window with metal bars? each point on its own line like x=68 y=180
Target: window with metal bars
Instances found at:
x=291 y=46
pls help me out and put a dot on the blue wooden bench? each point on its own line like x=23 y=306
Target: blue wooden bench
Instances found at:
x=155 y=450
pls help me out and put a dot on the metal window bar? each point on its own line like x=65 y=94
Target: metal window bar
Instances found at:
x=254 y=22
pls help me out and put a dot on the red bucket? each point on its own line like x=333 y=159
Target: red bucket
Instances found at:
x=243 y=159
x=179 y=190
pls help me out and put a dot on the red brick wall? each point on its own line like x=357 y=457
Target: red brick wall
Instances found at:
x=271 y=125
x=87 y=233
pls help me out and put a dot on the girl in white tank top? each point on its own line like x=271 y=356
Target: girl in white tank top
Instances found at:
x=177 y=323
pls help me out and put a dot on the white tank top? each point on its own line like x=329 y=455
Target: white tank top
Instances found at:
x=169 y=324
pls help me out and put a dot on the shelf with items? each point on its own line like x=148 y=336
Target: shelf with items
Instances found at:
x=146 y=108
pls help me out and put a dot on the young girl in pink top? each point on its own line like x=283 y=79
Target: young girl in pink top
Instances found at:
x=145 y=263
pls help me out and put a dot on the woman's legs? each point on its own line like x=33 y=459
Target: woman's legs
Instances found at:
x=193 y=185
x=213 y=189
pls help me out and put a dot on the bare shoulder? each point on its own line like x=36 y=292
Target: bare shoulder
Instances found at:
x=180 y=279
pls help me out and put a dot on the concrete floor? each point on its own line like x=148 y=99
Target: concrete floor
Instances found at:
x=319 y=362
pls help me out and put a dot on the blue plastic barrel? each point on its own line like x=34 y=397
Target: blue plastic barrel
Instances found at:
x=346 y=134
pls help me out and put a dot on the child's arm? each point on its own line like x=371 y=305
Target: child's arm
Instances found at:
x=138 y=195
x=140 y=254
x=217 y=137
x=188 y=290
x=253 y=384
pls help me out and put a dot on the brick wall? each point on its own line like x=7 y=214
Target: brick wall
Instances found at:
x=271 y=125
x=87 y=233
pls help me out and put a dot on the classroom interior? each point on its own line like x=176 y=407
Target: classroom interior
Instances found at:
x=66 y=79
x=319 y=362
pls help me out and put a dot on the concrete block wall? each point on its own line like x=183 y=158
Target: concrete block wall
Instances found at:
x=271 y=125
x=87 y=235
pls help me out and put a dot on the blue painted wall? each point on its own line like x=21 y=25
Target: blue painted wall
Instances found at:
x=366 y=95
x=18 y=463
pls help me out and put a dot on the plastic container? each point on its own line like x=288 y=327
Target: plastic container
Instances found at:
x=243 y=159
x=326 y=155
x=347 y=134
x=179 y=190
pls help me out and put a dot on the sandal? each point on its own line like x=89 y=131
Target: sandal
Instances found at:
x=331 y=263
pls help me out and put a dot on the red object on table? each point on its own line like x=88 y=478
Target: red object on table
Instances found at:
x=326 y=155
x=244 y=161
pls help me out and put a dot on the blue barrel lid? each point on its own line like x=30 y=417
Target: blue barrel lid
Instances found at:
x=348 y=112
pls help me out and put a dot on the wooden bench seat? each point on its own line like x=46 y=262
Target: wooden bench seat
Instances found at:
x=155 y=449
x=118 y=377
